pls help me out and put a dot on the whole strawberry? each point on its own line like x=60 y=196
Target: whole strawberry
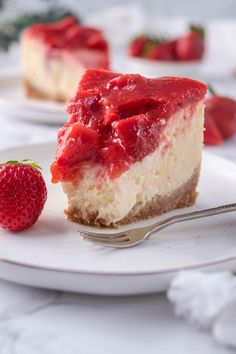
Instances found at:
x=22 y=194
x=223 y=111
x=163 y=51
x=191 y=46
x=220 y=118
x=137 y=46
x=212 y=135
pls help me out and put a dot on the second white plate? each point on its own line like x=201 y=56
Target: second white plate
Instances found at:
x=14 y=105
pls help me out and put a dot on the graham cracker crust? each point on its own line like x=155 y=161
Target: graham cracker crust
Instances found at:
x=182 y=197
x=33 y=92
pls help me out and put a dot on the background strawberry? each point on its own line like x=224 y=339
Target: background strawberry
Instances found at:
x=220 y=118
x=22 y=194
x=191 y=46
x=223 y=111
x=212 y=135
x=163 y=51
x=186 y=48
x=151 y=47
x=137 y=46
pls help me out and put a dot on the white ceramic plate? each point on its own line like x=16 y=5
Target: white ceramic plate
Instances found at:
x=53 y=255
x=154 y=68
x=199 y=70
x=14 y=105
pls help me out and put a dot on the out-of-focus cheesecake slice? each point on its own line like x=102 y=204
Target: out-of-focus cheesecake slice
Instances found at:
x=131 y=148
x=54 y=57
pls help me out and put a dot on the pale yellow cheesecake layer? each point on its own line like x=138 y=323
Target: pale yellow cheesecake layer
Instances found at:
x=169 y=167
x=55 y=75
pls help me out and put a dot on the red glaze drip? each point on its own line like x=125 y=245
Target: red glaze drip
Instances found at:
x=117 y=119
x=68 y=34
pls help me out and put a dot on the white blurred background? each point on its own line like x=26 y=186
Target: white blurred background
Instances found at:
x=193 y=9
x=123 y=19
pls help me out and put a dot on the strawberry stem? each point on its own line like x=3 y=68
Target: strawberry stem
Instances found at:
x=25 y=162
x=211 y=90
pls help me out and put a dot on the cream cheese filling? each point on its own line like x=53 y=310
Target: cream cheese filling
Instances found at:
x=161 y=172
x=57 y=76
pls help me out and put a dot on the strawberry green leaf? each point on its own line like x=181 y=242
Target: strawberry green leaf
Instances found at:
x=211 y=90
x=28 y=162
x=150 y=45
x=198 y=30
x=31 y=163
x=12 y=162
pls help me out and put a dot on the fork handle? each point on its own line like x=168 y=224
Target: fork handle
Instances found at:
x=190 y=216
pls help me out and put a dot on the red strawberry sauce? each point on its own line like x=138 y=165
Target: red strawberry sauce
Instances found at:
x=116 y=120
x=68 y=34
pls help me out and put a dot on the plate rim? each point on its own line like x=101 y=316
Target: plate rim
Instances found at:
x=216 y=262
x=118 y=273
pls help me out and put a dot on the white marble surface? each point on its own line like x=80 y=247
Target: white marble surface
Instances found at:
x=37 y=321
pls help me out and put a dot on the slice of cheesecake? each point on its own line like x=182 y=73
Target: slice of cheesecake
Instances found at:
x=54 y=57
x=131 y=148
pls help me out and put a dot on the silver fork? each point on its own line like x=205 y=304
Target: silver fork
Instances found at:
x=133 y=237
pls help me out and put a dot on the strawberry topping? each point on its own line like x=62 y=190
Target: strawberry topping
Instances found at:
x=68 y=34
x=116 y=120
